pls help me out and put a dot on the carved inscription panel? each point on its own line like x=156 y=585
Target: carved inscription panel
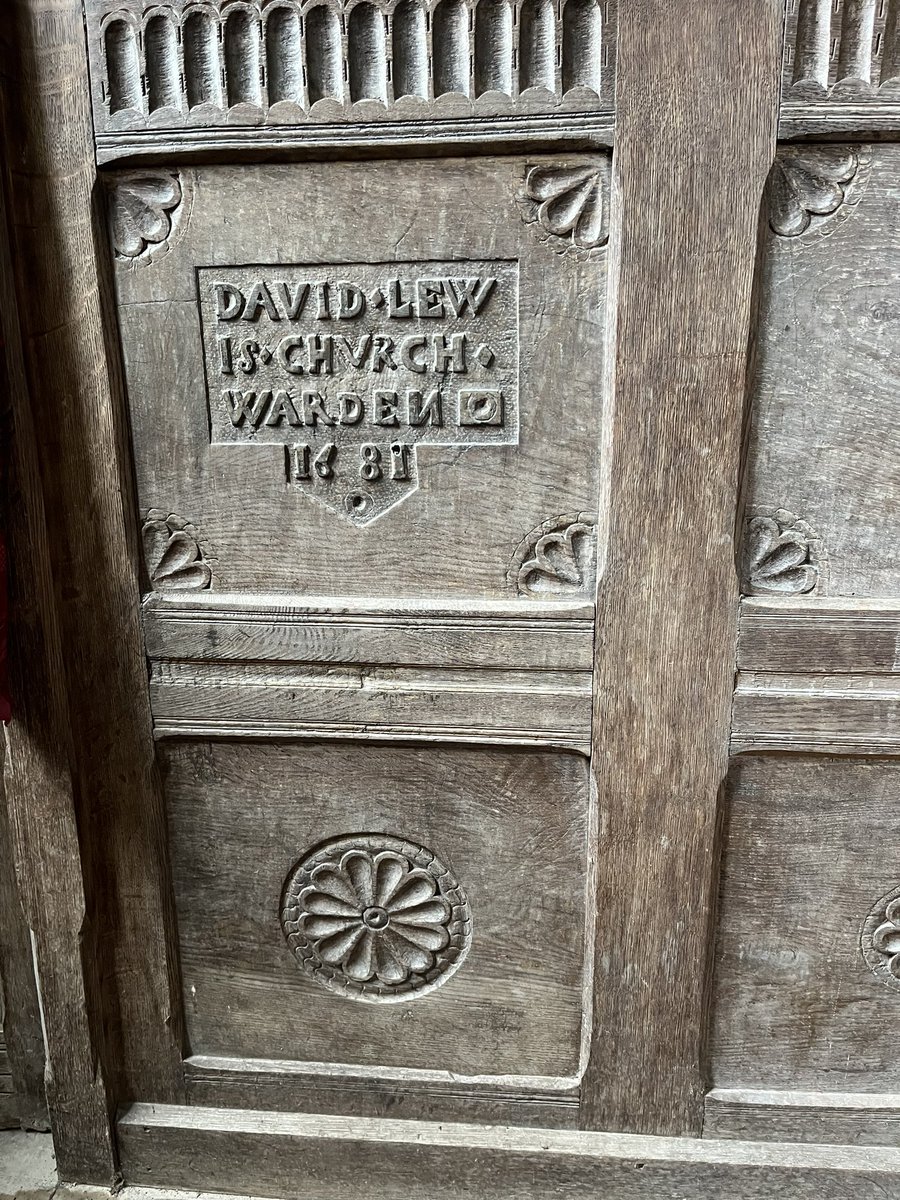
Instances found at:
x=373 y=379
x=352 y=366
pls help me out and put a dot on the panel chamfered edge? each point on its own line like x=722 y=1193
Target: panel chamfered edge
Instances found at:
x=278 y=1154
x=854 y=1118
x=376 y=1092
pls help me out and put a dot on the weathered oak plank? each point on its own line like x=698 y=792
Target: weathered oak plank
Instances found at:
x=852 y=1118
x=22 y=1057
x=813 y=635
x=38 y=829
x=274 y=1154
x=697 y=97
x=816 y=714
x=51 y=175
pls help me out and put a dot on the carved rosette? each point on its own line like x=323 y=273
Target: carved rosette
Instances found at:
x=144 y=208
x=569 y=205
x=880 y=939
x=807 y=185
x=781 y=555
x=172 y=553
x=375 y=918
x=557 y=560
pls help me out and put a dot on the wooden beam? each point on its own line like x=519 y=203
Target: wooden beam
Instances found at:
x=819 y=636
x=697 y=108
x=285 y=1154
x=38 y=825
x=62 y=297
x=19 y=1003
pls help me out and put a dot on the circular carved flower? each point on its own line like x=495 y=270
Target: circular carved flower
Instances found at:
x=807 y=182
x=172 y=553
x=880 y=939
x=375 y=918
x=781 y=554
x=569 y=203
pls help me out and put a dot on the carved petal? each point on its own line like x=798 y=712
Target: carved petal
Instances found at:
x=360 y=962
x=334 y=882
x=323 y=927
x=389 y=872
x=561 y=214
x=180 y=551
x=388 y=967
x=315 y=901
x=886 y=938
x=412 y=957
x=432 y=911
x=359 y=870
x=545 y=183
x=416 y=887
x=789 y=550
x=336 y=948
x=426 y=937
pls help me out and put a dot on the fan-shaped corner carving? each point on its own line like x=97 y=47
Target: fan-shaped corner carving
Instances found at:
x=809 y=185
x=172 y=553
x=569 y=205
x=781 y=555
x=557 y=560
x=146 y=209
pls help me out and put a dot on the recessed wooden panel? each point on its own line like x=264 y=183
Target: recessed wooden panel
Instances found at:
x=805 y=992
x=511 y=827
x=826 y=418
x=370 y=379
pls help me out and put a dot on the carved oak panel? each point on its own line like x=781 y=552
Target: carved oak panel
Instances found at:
x=824 y=494
x=334 y=350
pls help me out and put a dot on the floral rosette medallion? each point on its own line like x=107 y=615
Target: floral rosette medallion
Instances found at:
x=375 y=918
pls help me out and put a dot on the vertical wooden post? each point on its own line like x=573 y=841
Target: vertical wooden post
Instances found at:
x=81 y=440
x=38 y=789
x=696 y=121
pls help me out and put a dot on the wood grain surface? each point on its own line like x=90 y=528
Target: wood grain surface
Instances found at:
x=56 y=1048
x=808 y=855
x=81 y=447
x=697 y=105
x=269 y=1154
x=511 y=824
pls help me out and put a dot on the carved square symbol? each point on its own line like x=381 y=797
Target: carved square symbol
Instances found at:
x=480 y=406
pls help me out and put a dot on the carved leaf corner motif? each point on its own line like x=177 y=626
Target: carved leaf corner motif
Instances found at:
x=141 y=210
x=557 y=559
x=808 y=182
x=375 y=918
x=569 y=203
x=781 y=555
x=172 y=553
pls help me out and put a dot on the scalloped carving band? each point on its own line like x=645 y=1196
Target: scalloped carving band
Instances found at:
x=159 y=65
x=375 y=918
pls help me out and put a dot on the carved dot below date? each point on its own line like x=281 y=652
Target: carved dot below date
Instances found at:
x=375 y=918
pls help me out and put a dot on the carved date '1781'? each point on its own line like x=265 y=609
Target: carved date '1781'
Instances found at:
x=351 y=367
